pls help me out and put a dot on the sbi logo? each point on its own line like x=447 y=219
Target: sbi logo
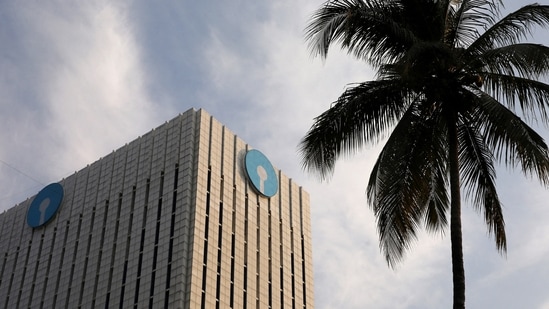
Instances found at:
x=261 y=173
x=45 y=205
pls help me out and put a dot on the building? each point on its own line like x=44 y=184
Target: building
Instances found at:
x=185 y=216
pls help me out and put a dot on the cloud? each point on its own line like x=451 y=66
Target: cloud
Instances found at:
x=97 y=90
x=79 y=92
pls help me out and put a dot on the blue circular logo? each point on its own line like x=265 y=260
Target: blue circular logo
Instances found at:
x=45 y=205
x=261 y=173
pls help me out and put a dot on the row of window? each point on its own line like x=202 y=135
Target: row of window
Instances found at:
x=205 y=286
x=57 y=285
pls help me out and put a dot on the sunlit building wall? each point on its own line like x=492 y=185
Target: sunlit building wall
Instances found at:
x=173 y=219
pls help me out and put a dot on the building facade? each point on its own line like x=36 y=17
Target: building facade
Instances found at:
x=185 y=216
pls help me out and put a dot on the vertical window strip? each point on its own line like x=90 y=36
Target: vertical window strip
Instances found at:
x=270 y=257
x=245 y=292
x=48 y=267
x=233 y=245
x=172 y=233
x=219 y=244
x=245 y=298
x=108 y=296
x=258 y=248
x=12 y=276
x=71 y=275
x=4 y=260
x=203 y=298
x=292 y=255
x=281 y=266
x=220 y=228
x=231 y=292
x=36 y=266
x=101 y=243
x=86 y=260
x=233 y=225
x=257 y=288
x=61 y=263
x=303 y=264
x=151 y=297
x=127 y=253
x=142 y=244
x=167 y=291
x=293 y=278
x=281 y=238
x=206 y=234
x=24 y=272
x=113 y=254
x=303 y=272
x=139 y=264
x=156 y=239
x=281 y=287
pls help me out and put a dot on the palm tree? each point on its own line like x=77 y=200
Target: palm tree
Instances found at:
x=453 y=86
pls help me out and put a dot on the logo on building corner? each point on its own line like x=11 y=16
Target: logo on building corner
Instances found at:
x=261 y=173
x=45 y=205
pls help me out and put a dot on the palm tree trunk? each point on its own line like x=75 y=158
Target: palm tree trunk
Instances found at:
x=458 y=270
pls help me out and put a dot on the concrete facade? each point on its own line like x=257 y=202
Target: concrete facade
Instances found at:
x=169 y=220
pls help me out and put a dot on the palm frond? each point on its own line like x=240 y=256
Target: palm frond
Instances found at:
x=511 y=139
x=397 y=207
x=364 y=28
x=466 y=19
x=521 y=60
x=407 y=185
x=478 y=172
x=435 y=214
x=361 y=115
x=532 y=96
x=511 y=29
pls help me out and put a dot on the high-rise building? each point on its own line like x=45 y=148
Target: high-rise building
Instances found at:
x=186 y=216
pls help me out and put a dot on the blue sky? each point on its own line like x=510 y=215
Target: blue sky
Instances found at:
x=80 y=80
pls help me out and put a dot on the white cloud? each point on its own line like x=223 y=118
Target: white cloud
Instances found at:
x=86 y=96
x=97 y=90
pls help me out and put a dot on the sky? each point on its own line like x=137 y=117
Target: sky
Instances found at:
x=80 y=79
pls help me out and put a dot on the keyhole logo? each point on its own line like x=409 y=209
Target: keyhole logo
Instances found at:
x=261 y=173
x=45 y=205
